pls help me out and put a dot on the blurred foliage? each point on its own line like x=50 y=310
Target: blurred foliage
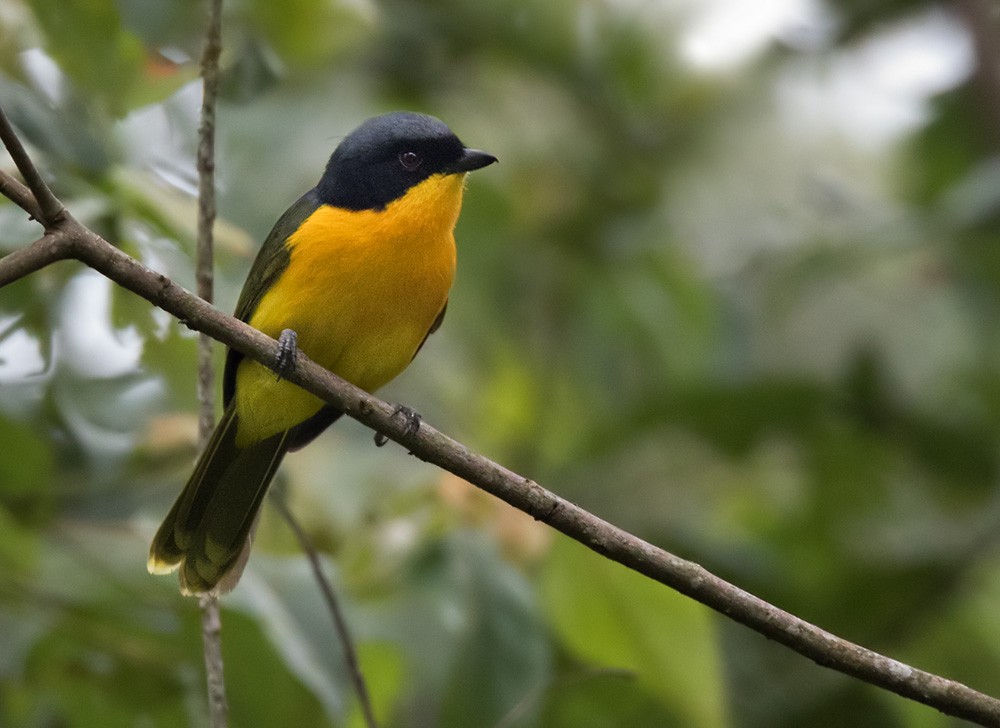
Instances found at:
x=734 y=287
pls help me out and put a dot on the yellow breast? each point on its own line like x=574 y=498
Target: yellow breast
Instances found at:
x=361 y=290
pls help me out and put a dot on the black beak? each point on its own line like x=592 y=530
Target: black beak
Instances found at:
x=472 y=159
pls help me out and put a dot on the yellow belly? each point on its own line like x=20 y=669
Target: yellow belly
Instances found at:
x=361 y=290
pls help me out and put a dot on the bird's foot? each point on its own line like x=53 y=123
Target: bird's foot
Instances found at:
x=411 y=423
x=288 y=344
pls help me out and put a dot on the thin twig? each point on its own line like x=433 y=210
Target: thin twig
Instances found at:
x=948 y=696
x=207 y=210
x=211 y=621
x=20 y=195
x=339 y=621
x=211 y=639
x=50 y=210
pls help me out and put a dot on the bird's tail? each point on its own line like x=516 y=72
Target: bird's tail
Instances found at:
x=207 y=532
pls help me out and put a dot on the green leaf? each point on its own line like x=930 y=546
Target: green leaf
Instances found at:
x=603 y=699
x=131 y=312
x=26 y=488
x=950 y=147
x=382 y=667
x=734 y=417
x=29 y=472
x=18 y=546
x=74 y=138
x=88 y=41
x=173 y=359
x=80 y=678
x=282 y=595
x=307 y=32
x=263 y=686
x=611 y=617
x=502 y=652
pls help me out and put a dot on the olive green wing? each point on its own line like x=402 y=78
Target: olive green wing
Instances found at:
x=271 y=262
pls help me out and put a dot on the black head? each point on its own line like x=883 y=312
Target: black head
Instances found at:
x=385 y=156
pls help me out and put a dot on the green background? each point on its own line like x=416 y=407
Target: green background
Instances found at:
x=736 y=292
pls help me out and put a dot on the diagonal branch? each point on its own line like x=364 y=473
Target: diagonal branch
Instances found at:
x=333 y=604
x=50 y=209
x=71 y=239
x=428 y=444
x=19 y=194
x=25 y=261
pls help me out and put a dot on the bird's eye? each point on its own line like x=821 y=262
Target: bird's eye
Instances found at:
x=410 y=160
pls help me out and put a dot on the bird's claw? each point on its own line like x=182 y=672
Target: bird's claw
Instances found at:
x=411 y=423
x=288 y=344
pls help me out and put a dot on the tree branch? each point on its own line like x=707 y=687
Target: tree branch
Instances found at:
x=211 y=641
x=211 y=620
x=204 y=262
x=74 y=240
x=25 y=261
x=49 y=210
x=19 y=194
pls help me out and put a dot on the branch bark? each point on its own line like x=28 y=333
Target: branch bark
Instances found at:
x=211 y=619
x=21 y=195
x=43 y=205
x=70 y=239
x=204 y=263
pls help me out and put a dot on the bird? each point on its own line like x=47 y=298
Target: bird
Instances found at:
x=356 y=275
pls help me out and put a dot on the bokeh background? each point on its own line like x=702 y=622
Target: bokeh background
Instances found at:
x=735 y=287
